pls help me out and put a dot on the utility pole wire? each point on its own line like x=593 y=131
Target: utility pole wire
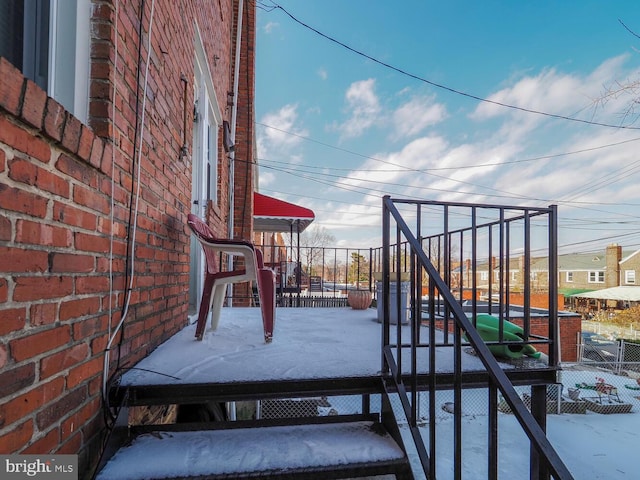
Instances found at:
x=628 y=29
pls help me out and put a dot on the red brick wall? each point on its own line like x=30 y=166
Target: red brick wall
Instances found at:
x=570 y=326
x=536 y=300
x=56 y=299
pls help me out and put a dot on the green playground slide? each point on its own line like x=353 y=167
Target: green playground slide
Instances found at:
x=488 y=328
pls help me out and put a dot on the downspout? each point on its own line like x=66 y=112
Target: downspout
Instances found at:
x=231 y=406
x=234 y=115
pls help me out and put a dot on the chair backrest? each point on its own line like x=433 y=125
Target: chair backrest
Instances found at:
x=212 y=247
x=204 y=234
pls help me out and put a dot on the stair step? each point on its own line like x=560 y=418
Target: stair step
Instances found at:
x=362 y=448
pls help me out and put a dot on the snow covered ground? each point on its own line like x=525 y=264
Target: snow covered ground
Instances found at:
x=313 y=342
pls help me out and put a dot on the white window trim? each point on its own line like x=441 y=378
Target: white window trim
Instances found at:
x=210 y=117
x=201 y=58
x=569 y=277
x=630 y=277
x=598 y=274
x=69 y=55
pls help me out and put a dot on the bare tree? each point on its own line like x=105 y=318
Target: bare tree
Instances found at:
x=312 y=242
x=629 y=88
x=317 y=237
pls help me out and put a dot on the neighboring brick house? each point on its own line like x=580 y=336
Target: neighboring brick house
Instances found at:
x=577 y=272
x=488 y=275
x=595 y=271
x=76 y=182
x=580 y=271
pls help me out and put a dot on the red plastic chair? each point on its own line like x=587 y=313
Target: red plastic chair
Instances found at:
x=215 y=281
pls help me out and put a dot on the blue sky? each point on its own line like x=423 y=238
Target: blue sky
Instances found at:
x=336 y=130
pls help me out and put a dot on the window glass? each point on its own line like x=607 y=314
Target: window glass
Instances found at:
x=24 y=38
x=11 y=31
x=48 y=41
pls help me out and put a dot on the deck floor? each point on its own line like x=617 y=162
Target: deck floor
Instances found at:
x=308 y=344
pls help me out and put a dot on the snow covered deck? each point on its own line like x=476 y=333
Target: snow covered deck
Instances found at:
x=312 y=345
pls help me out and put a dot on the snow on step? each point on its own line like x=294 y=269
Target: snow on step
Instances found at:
x=215 y=452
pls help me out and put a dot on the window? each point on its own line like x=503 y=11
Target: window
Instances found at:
x=514 y=276
x=569 y=277
x=596 y=277
x=206 y=129
x=484 y=275
x=48 y=40
x=630 y=276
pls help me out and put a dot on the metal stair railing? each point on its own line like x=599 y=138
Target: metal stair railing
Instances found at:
x=544 y=460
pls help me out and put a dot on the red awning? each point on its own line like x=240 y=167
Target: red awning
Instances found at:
x=273 y=215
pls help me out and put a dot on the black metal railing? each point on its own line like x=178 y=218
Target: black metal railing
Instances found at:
x=486 y=235
x=319 y=276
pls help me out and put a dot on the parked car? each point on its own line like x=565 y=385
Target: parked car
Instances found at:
x=598 y=348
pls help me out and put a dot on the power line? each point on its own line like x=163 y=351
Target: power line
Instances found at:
x=428 y=171
x=461 y=167
x=441 y=86
x=313 y=176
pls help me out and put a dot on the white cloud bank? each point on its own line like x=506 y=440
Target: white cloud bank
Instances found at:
x=494 y=155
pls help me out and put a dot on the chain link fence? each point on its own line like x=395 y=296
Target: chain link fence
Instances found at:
x=290 y=408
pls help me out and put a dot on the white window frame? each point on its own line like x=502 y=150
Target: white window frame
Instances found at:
x=207 y=126
x=69 y=55
x=596 y=276
x=630 y=277
x=211 y=155
x=569 y=277
x=484 y=275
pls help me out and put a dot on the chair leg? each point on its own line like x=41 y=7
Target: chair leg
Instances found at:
x=267 y=294
x=219 y=291
x=205 y=305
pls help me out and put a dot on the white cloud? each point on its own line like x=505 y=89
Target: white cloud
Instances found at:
x=322 y=73
x=485 y=160
x=398 y=167
x=549 y=91
x=277 y=137
x=565 y=94
x=416 y=115
x=363 y=107
x=266 y=178
x=270 y=27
